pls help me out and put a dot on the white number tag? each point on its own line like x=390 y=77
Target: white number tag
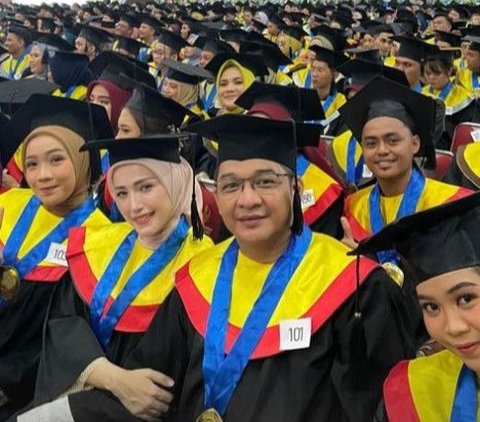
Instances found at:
x=57 y=254
x=308 y=198
x=295 y=334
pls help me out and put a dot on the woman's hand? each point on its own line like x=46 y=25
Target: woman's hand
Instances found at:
x=144 y=393
x=347 y=239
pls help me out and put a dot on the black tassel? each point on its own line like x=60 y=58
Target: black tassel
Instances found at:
x=196 y=221
x=297 y=223
x=358 y=344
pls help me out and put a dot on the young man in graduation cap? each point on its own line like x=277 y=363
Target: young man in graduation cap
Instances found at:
x=393 y=125
x=90 y=41
x=146 y=31
x=15 y=64
x=265 y=326
x=441 y=249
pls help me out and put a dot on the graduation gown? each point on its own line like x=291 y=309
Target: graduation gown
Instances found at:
x=337 y=378
x=465 y=168
x=22 y=318
x=70 y=343
x=357 y=208
x=424 y=389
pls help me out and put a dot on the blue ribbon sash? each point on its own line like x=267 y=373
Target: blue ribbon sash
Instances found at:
x=104 y=324
x=409 y=203
x=222 y=373
x=465 y=402
x=58 y=235
x=353 y=172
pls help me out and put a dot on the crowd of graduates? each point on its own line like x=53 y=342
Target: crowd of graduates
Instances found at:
x=240 y=211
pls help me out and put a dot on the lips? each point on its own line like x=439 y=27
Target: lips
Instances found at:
x=47 y=190
x=251 y=220
x=143 y=219
x=468 y=348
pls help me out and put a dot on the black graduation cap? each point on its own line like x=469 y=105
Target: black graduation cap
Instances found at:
x=448 y=37
x=93 y=35
x=14 y=93
x=276 y=20
x=474 y=42
x=273 y=56
x=172 y=40
x=21 y=32
x=253 y=62
x=187 y=73
x=130 y=45
x=302 y=103
x=119 y=70
x=334 y=35
x=129 y=18
x=49 y=24
x=242 y=137
x=295 y=31
x=213 y=45
x=360 y=72
x=164 y=147
x=234 y=35
x=52 y=40
x=150 y=103
x=414 y=49
x=370 y=54
x=90 y=121
x=435 y=241
x=150 y=21
x=383 y=97
x=66 y=58
x=332 y=58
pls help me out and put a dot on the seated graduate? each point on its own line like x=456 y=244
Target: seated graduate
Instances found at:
x=393 y=124
x=269 y=309
x=35 y=224
x=441 y=248
x=322 y=196
x=121 y=273
x=465 y=168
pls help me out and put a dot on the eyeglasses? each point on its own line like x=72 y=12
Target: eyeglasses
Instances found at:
x=263 y=183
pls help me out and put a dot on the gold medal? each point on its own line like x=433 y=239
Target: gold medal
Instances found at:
x=9 y=282
x=210 y=415
x=395 y=273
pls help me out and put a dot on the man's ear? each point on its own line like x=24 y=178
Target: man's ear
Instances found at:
x=416 y=143
x=300 y=185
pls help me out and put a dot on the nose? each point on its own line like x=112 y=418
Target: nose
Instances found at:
x=134 y=204
x=44 y=172
x=382 y=148
x=455 y=325
x=249 y=198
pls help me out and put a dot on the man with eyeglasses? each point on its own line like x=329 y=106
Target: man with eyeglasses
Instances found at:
x=269 y=325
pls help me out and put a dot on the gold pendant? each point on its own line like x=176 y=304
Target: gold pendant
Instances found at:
x=9 y=282
x=395 y=273
x=210 y=415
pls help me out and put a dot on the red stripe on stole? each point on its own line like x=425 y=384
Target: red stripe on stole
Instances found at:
x=398 y=397
x=14 y=170
x=340 y=289
x=460 y=193
x=136 y=319
x=323 y=203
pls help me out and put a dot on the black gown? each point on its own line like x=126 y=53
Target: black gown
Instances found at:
x=338 y=378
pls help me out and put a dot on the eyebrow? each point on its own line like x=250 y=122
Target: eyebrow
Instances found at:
x=450 y=291
x=228 y=175
x=51 y=151
x=138 y=182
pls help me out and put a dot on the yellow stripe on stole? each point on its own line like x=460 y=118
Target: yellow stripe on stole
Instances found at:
x=100 y=246
x=340 y=149
x=306 y=286
x=433 y=381
x=14 y=202
x=471 y=154
x=434 y=193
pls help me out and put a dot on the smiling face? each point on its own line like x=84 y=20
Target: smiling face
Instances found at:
x=49 y=170
x=388 y=148
x=36 y=65
x=142 y=200
x=255 y=216
x=451 y=312
x=230 y=87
